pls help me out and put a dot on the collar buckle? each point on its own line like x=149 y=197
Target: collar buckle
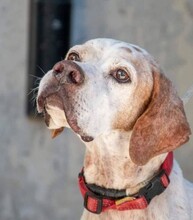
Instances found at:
x=155 y=187
x=97 y=201
x=93 y=203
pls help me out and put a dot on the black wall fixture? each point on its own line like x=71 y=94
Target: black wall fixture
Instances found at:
x=49 y=37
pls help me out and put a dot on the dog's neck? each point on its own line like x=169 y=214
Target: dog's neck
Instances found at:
x=107 y=163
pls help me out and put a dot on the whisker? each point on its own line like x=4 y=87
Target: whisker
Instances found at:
x=35 y=76
x=33 y=98
x=37 y=81
x=41 y=69
x=33 y=90
x=33 y=101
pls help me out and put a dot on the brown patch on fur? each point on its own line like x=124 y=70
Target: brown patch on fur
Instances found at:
x=125 y=121
x=122 y=122
x=87 y=160
x=162 y=127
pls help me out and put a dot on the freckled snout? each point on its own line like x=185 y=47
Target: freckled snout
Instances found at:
x=64 y=73
x=57 y=97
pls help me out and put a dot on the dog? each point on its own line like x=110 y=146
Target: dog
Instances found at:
x=116 y=98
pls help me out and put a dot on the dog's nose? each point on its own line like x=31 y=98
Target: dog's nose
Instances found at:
x=68 y=72
x=58 y=68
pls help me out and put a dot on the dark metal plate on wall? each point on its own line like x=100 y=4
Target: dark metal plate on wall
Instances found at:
x=49 y=37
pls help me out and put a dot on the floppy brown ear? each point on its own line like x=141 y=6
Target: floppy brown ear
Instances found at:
x=162 y=127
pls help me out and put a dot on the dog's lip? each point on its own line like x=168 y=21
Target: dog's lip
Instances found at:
x=46 y=117
x=87 y=138
x=74 y=125
x=70 y=117
x=44 y=105
x=41 y=104
x=44 y=94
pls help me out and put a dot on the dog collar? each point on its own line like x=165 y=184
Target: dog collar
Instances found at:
x=98 y=199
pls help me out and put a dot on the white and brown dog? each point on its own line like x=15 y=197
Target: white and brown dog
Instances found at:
x=116 y=99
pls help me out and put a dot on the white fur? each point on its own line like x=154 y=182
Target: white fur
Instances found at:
x=174 y=203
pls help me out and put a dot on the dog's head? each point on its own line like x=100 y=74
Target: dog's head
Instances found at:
x=104 y=85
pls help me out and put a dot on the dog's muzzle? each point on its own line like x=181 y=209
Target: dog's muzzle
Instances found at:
x=59 y=90
x=66 y=76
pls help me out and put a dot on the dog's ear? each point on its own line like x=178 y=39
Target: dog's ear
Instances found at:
x=163 y=125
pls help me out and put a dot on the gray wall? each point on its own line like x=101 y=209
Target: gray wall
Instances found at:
x=38 y=176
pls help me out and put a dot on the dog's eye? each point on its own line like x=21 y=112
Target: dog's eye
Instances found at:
x=73 y=56
x=121 y=76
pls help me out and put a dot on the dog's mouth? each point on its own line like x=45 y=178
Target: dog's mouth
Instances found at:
x=57 y=116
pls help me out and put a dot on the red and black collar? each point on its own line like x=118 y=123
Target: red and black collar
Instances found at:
x=98 y=199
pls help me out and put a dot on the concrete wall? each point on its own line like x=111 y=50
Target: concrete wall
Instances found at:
x=38 y=175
